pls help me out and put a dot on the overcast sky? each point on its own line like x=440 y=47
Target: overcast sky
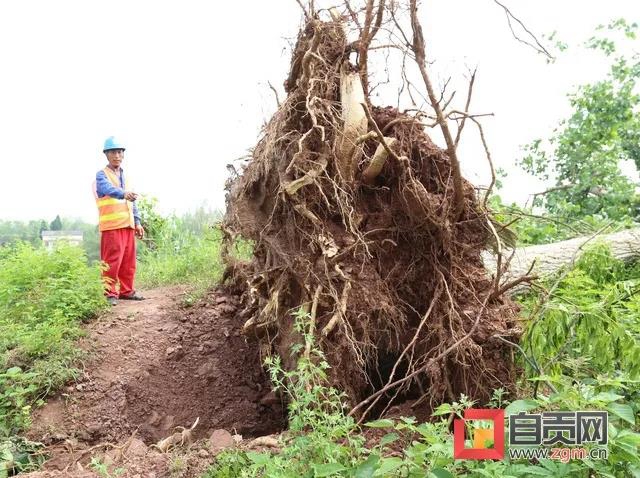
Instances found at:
x=185 y=85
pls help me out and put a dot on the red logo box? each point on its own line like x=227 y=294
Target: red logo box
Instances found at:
x=495 y=453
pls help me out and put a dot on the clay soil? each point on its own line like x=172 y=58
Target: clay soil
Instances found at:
x=156 y=366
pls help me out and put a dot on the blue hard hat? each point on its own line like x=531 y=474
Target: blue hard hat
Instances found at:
x=112 y=143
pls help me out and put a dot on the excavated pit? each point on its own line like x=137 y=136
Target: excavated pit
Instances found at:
x=157 y=366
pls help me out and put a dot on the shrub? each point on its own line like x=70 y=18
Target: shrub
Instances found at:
x=43 y=297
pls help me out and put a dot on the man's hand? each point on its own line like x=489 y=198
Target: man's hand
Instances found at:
x=139 y=231
x=130 y=196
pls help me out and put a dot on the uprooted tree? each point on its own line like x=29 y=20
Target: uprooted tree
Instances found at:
x=362 y=221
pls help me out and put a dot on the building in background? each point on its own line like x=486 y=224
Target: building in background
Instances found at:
x=50 y=238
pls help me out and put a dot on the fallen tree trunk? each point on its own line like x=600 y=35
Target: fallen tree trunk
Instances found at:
x=549 y=258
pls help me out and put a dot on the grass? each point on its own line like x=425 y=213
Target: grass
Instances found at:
x=44 y=296
x=180 y=250
x=183 y=259
x=183 y=250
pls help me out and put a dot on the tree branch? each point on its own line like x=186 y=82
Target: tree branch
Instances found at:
x=538 y=46
x=420 y=57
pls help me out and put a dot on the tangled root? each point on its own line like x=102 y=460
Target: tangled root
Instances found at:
x=350 y=207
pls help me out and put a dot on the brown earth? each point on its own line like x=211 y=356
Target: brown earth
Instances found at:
x=154 y=367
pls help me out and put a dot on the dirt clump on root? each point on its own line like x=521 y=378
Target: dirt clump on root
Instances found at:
x=391 y=278
x=155 y=367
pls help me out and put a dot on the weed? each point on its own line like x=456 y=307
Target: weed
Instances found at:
x=102 y=469
x=43 y=298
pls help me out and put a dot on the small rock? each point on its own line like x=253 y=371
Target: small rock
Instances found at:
x=59 y=437
x=221 y=299
x=206 y=370
x=137 y=448
x=79 y=387
x=154 y=419
x=270 y=441
x=175 y=353
x=202 y=453
x=221 y=439
x=168 y=422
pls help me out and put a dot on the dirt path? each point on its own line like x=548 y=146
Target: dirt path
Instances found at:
x=156 y=366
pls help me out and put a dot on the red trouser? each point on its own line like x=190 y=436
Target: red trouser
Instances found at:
x=118 y=250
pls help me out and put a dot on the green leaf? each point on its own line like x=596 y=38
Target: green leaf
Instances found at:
x=258 y=458
x=389 y=465
x=635 y=471
x=368 y=468
x=389 y=438
x=521 y=406
x=622 y=411
x=607 y=397
x=327 y=469
x=440 y=473
x=382 y=423
x=535 y=470
x=443 y=409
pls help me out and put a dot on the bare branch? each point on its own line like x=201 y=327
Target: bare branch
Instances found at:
x=466 y=106
x=363 y=46
x=550 y=190
x=419 y=51
x=353 y=15
x=379 y=15
x=275 y=92
x=538 y=46
x=304 y=10
x=486 y=150
x=379 y=133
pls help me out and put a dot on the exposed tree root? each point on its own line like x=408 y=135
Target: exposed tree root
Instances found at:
x=373 y=232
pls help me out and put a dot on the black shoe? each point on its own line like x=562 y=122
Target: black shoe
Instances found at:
x=133 y=296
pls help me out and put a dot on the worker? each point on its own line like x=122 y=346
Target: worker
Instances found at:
x=119 y=224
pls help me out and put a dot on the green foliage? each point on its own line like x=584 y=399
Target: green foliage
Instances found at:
x=321 y=439
x=593 y=366
x=182 y=250
x=56 y=224
x=90 y=236
x=43 y=297
x=17 y=455
x=17 y=231
x=102 y=469
x=590 y=319
x=531 y=228
x=155 y=226
x=583 y=156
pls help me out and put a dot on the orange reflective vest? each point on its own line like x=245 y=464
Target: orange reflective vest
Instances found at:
x=113 y=213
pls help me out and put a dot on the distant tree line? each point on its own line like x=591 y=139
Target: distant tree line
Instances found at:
x=31 y=231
